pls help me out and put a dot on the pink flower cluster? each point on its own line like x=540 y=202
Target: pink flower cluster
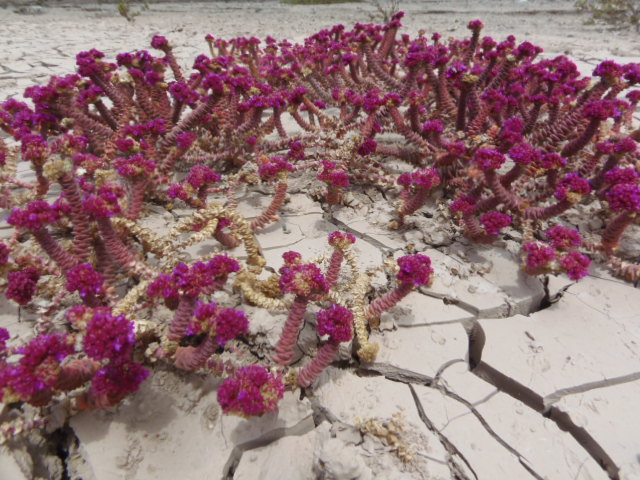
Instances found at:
x=221 y=324
x=252 y=391
x=337 y=322
x=415 y=270
x=560 y=255
x=195 y=279
x=304 y=280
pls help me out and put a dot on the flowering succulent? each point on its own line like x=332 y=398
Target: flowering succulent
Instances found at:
x=275 y=167
x=21 y=285
x=562 y=238
x=85 y=280
x=337 y=322
x=222 y=324
x=415 y=270
x=493 y=222
x=488 y=160
x=575 y=264
x=35 y=216
x=35 y=375
x=251 y=392
x=539 y=256
x=112 y=383
x=303 y=280
x=109 y=337
x=509 y=138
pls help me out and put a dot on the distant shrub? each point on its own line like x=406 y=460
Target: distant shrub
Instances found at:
x=620 y=13
x=317 y=2
x=124 y=9
x=384 y=10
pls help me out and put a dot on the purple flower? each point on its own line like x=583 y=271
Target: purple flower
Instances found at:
x=576 y=265
x=275 y=167
x=493 y=222
x=538 y=255
x=337 y=322
x=21 y=285
x=84 y=279
x=562 y=238
x=368 y=147
x=252 y=391
x=415 y=269
x=34 y=216
x=109 y=337
x=488 y=160
x=303 y=280
x=572 y=187
x=624 y=197
x=116 y=380
x=222 y=324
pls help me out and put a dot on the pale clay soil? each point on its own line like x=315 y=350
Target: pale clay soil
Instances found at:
x=582 y=354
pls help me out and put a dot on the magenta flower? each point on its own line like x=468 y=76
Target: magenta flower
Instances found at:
x=222 y=324
x=84 y=279
x=135 y=166
x=275 y=168
x=185 y=140
x=109 y=337
x=368 y=147
x=337 y=322
x=104 y=203
x=624 y=197
x=252 y=391
x=576 y=265
x=35 y=216
x=163 y=286
x=465 y=205
x=200 y=175
x=21 y=285
x=572 y=187
x=333 y=175
x=159 y=42
x=493 y=222
x=415 y=270
x=539 y=256
x=115 y=381
x=488 y=160
x=303 y=280
x=475 y=25
x=35 y=375
x=524 y=154
x=425 y=178
x=341 y=240
x=562 y=238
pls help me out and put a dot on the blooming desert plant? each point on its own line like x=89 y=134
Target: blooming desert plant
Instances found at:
x=500 y=138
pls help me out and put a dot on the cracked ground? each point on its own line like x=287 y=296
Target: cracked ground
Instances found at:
x=487 y=374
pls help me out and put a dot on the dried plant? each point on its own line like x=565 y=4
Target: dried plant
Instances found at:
x=619 y=13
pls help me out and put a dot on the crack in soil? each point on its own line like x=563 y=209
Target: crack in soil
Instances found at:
x=303 y=427
x=535 y=401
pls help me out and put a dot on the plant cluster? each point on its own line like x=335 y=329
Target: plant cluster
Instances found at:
x=503 y=139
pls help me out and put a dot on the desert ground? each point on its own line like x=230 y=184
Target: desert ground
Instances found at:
x=581 y=354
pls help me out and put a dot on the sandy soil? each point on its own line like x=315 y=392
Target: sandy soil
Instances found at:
x=582 y=354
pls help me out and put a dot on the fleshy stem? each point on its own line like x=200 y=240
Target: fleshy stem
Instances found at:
x=614 y=230
x=271 y=213
x=320 y=362
x=193 y=358
x=182 y=317
x=50 y=245
x=384 y=303
x=286 y=344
